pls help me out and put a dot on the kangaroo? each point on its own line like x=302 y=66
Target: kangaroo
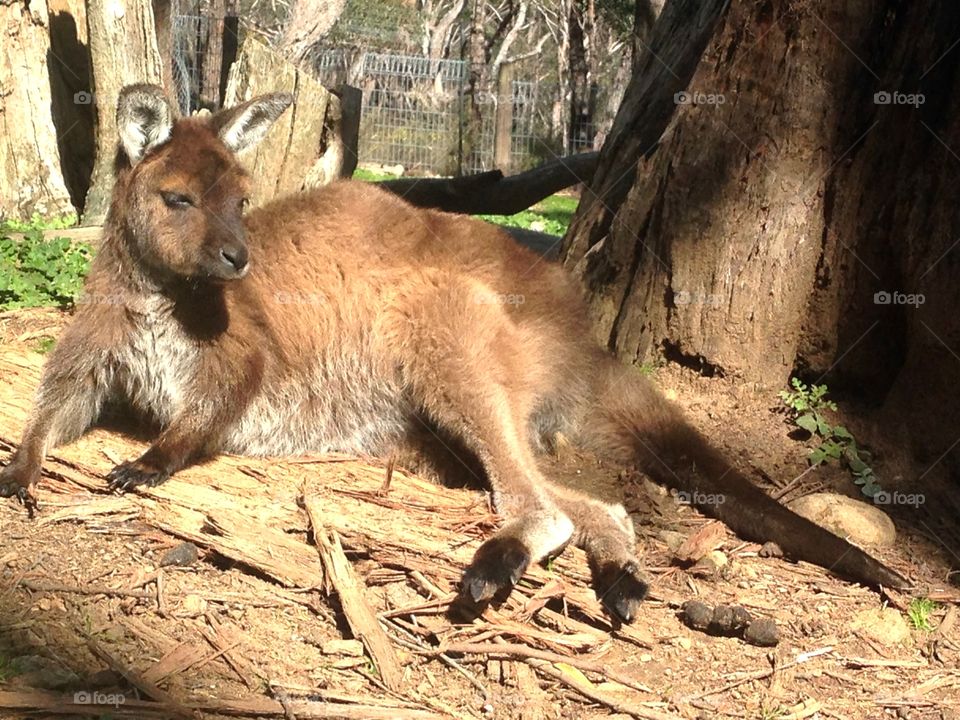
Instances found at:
x=344 y=319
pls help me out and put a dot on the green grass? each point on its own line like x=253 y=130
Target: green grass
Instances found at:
x=37 y=270
x=919 y=613
x=551 y=215
x=371 y=175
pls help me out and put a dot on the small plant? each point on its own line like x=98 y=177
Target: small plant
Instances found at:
x=37 y=271
x=44 y=345
x=919 y=613
x=808 y=406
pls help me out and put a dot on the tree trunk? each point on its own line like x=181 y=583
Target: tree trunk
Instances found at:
x=476 y=61
x=213 y=55
x=69 y=79
x=753 y=241
x=581 y=22
x=310 y=21
x=304 y=147
x=31 y=179
x=123 y=45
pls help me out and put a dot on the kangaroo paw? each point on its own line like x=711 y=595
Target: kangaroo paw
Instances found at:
x=129 y=475
x=498 y=565
x=621 y=588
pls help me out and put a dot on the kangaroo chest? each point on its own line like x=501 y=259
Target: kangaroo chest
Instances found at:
x=156 y=366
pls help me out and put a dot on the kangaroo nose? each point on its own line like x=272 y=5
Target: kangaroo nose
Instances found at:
x=236 y=256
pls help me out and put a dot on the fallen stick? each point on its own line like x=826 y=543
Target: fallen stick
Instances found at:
x=89 y=590
x=514 y=651
x=761 y=674
x=361 y=618
x=138 y=681
x=591 y=692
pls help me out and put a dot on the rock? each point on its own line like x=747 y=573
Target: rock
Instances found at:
x=673 y=539
x=883 y=625
x=859 y=522
x=770 y=550
x=350 y=648
x=181 y=555
x=192 y=606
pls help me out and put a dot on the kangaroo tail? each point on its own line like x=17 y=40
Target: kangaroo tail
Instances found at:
x=630 y=419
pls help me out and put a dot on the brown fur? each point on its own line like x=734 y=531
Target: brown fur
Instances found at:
x=360 y=324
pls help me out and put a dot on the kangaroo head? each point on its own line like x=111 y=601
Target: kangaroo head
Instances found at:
x=180 y=191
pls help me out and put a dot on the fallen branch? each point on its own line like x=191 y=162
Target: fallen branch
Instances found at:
x=361 y=618
x=491 y=193
x=89 y=590
x=138 y=681
x=512 y=651
x=591 y=692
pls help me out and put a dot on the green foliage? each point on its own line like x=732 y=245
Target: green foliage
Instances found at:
x=919 y=613
x=44 y=344
x=36 y=270
x=371 y=175
x=808 y=407
x=552 y=215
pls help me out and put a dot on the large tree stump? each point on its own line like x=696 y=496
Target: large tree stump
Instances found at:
x=123 y=45
x=305 y=147
x=31 y=179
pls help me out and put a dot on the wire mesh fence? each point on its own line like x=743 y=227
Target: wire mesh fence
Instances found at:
x=416 y=112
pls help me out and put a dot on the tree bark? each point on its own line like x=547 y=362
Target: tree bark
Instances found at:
x=753 y=242
x=304 y=147
x=213 y=55
x=310 y=21
x=31 y=179
x=123 y=45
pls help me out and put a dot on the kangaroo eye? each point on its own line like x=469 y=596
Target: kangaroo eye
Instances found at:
x=176 y=200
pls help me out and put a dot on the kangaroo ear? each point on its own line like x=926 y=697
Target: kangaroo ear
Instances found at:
x=245 y=125
x=144 y=120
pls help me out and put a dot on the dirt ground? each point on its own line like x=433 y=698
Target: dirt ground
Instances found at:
x=94 y=624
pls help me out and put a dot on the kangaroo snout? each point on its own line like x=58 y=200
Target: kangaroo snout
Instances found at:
x=235 y=259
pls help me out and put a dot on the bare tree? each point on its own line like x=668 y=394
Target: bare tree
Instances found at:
x=439 y=25
x=309 y=22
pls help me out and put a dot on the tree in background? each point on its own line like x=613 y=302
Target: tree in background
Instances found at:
x=799 y=213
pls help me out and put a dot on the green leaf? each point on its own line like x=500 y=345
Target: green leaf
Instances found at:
x=817 y=456
x=841 y=432
x=857 y=466
x=823 y=427
x=808 y=422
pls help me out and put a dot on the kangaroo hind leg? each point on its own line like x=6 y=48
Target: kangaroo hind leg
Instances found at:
x=474 y=384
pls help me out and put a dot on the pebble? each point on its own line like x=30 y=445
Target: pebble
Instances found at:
x=181 y=555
